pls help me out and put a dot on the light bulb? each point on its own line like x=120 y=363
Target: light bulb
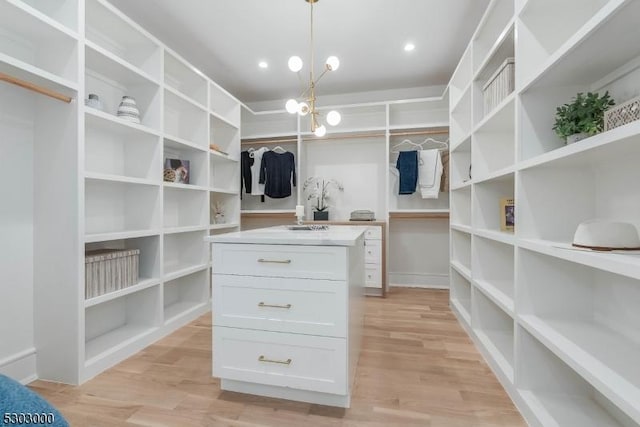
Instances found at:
x=295 y=64
x=291 y=106
x=333 y=63
x=409 y=47
x=333 y=118
x=320 y=131
x=303 y=109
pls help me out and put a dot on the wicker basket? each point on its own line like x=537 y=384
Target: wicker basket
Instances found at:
x=499 y=86
x=109 y=270
x=622 y=114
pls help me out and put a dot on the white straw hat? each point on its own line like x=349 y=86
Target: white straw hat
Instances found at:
x=606 y=235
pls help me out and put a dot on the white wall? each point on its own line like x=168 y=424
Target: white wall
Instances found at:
x=419 y=252
x=17 y=354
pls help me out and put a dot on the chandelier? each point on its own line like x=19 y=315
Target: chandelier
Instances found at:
x=307 y=104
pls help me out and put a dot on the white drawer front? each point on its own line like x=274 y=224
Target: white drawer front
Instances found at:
x=312 y=262
x=373 y=233
x=287 y=360
x=373 y=275
x=313 y=307
x=373 y=251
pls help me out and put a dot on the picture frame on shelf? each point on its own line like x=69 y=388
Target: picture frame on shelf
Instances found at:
x=176 y=171
x=507 y=214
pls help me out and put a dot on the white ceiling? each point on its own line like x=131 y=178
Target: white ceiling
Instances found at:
x=227 y=38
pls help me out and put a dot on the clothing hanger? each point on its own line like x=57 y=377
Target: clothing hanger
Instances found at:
x=406 y=141
x=442 y=145
x=277 y=147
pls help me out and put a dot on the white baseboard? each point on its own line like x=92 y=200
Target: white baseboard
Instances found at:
x=20 y=366
x=419 y=280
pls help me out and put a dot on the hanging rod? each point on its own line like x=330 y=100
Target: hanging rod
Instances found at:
x=34 y=87
x=412 y=132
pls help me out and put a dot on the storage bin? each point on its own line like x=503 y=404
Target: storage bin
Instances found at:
x=499 y=86
x=622 y=114
x=109 y=270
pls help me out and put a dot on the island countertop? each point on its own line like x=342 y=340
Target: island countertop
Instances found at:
x=334 y=235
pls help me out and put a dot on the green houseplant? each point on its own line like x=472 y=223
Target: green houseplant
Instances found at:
x=583 y=117
x=319 y=190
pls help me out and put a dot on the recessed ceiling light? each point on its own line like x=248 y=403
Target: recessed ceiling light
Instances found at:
x=409 y=47
x=263 y=64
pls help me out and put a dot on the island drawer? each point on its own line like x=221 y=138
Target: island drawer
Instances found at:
x=373 y=275
x=314 y=307
x=373 y=251
x=287 y=360
x=306 y=262
x=373 y=233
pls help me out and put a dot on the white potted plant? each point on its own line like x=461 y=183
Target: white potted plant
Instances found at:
x=319 y=190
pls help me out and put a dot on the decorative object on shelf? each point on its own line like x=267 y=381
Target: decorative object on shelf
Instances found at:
x=583 y=117
x=300 y=213
x=362 y=215
x=501 y=83
x=319 y=190
x=128 y=110
x=93 y=101
x=603 y=235
x=622 y=114
x=215 y=147
x=109 y=270
x=507 y=214
x=308 y=104
x=218 y=214
x=176 y=170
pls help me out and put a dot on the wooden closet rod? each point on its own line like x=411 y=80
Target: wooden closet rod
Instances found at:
x=34 y=87
x=267 y=141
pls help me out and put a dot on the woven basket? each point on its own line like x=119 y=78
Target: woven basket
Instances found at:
x=499 y=85
x=622 y=114
x=109 y=270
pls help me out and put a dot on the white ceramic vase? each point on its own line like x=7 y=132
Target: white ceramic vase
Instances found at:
x=128 y=110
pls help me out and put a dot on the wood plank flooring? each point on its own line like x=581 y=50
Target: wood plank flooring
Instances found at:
x=417 y=368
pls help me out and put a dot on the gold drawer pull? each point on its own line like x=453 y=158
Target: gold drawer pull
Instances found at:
x=275 y=261
x=280 y=362
x=261 y=304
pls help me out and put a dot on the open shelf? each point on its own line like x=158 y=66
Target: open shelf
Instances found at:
x=31 y=41
x=111 y=326
x=494 y=141
x=493 y=271
x=112 y=149
x=228 y=205
x=461 y=206
x=117 y=207
x=494 y=329
x=140 y=286
x=461 y=294
x=64 y=12
x=198 y=159
x=184 y=208
x=461 y=79
x=491 y=31
x=184 y=251
x=185 y=120
x=556 y=395
x=225 y=136
x=224 y=175
x=275 y=123
x=461 y=248
x=587 y=317
x=460 y=120
x=184 y=79
x=460 y=165
x=185 y=295
x=419 y=113
x=110 y=29
x=487 y=196
x=223 y=105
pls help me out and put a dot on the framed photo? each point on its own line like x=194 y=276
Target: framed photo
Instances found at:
x=507 y=214
x=176 y=170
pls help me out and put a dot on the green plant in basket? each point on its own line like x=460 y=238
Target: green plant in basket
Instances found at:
x=584 y=116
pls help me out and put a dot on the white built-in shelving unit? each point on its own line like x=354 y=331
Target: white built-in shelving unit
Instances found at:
x=359 y=153
x=97 y=179
x=557 y=326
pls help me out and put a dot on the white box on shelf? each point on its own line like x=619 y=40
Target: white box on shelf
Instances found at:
x=109 y=270
x=499 y=86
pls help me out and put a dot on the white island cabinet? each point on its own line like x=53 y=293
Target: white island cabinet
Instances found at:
x=288 y=311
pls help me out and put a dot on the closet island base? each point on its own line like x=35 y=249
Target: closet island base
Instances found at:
x=288 y=312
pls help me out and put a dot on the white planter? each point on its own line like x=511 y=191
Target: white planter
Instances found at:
x=576 y=137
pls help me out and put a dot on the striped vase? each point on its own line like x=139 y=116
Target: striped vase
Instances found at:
x=128 y=110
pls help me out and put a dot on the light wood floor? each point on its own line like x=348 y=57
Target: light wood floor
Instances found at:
x=417 y=368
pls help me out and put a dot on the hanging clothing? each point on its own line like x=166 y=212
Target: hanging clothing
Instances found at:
x=257 y=188
x=277 y=172
x=429 y=173
x=245 y=168
x=407 y=166
x=444 y=183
